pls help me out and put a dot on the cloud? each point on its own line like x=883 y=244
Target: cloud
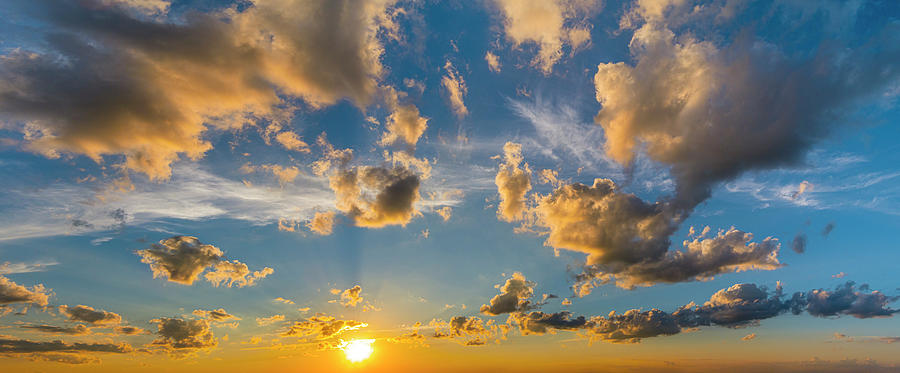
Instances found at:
x=219 y=315
x=181 y=259
x=350 y=297
x=827 y=230
x=549 y=25
x=130 y=330
x=749 y=337
x=740 y=305
x=799 y=243
x=122 y=92
x=322 y=326
x=10 y=345
x=845 y=299
x=263 y=321
x=89 y=315
x=539 y=323
x=801 y=189
x=514 y=296
x=456 y=89
x=512 y=183
x=632 y=326
x=78 y=329
x=283 y=300
x=376 y=196
x=291 y=141
x=180 y=336
x=445 y=212
x=11 y=292
x=405 y=123
x=471 y=331
x=8 y=268
x=322 y=223
x=493 y=62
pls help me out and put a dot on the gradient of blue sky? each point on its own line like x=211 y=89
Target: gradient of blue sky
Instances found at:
x=410 y=276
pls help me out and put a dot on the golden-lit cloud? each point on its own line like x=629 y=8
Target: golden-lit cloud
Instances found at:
x=124 y=94
x=493 y=61
x=322 y=223
x=181 y=259
x=513 y=183
x=550 y=25
x=405 y=123
x=514 y=296
x=181 y=337
x=217 y=315
x=263 y=321
x=376 y=196
x=11 y=293
x=350 y=297
x=322 y=326
x=456 y=89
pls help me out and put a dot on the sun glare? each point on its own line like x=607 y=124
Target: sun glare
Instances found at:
x=358 y=349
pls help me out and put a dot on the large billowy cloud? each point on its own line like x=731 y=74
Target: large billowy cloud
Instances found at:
x=107 y=82
x=549 y=25
x=181 y=259
x=181 y=337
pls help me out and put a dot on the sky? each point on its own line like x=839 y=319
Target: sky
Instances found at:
x=484 y=185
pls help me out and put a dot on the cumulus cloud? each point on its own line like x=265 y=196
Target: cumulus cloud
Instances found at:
x=456 y=89
x=322 y=326
x=738 y=306
x=538 y=322
x=847 y=300
x=513 y=183
x=82 y=313
x=376 y=196
x=514 y=296
x=291 y=141
x=147 y=88
x=632 y=326
x=181 y=337
x=130 y=330
x=548 y=25
x=181 y=259
x=263 y=321
x=11 y=292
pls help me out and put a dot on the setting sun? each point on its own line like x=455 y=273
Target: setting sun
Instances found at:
x=358 y=349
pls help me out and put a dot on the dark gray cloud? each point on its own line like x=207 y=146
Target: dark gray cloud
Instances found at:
x=632 y=326
x=847 y=299
x=828 y=228
x=181 y=336
x=538 y=322
x=89 y=315
x=394 y=192
x=23 y=346
x=181 y=259
x=219 y=315
x=738 y=306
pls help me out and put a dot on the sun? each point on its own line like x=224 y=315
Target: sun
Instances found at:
x=358 y=349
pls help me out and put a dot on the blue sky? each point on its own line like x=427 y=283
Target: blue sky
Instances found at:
x=126 y=123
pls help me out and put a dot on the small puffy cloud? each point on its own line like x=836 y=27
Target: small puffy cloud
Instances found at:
x=181 y=259
x=350 y=297
x=513 y=183
x=322 y=326
x=445 y=212
x=839 y=275
x=283 y=300
x=11 y=292
x=514 y=296
x=219 y=315
x=550 y=25
x=405 y=123
x=78 y=329
x=493 y=61
x=827 y=230
x=847 y=300
x=799 y=243
x=263 y=321
x=291 y=141
x=284 y=175
x=89 y=315
x=802 y=188
x=456 y=89
x=181 y=336
x=749 y=337
x=322 y=223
